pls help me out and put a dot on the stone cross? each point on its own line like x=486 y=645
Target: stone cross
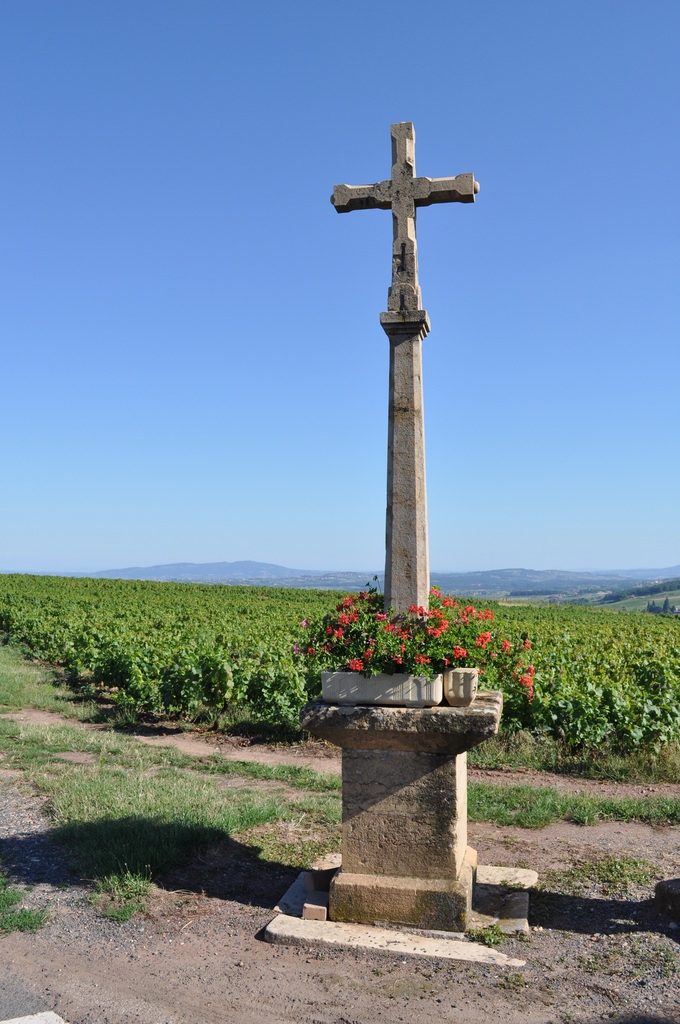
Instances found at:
x=407 y=573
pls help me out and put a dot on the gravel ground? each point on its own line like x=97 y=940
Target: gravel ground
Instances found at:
x=199 y=958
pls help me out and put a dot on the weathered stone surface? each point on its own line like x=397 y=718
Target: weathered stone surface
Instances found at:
x=295 y=896
x=435 y=903
x=407 y=567
x=667 y=898
x=46 y=1017
x=508 y=909
x=406 y=324
x=400 y=689
x=461 y=686
x=403 y=193
x=292 y=931
x=315 y=907
x=513 y=878
x=442 y=730
x=404 y=813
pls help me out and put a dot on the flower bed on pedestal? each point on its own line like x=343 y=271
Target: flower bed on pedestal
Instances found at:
x=399 y=695
x=365 y=655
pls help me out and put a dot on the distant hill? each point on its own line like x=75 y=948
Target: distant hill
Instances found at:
x=489 y=583
x=206 y=572
x=648 y=574
x=529 y=582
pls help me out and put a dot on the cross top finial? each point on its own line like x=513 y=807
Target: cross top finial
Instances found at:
x=402 y=193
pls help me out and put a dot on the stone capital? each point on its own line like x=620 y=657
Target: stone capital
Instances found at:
x=438 y=730
x=405 y=323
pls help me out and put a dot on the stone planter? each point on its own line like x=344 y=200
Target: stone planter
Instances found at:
x=398 y=690
x=460 y=686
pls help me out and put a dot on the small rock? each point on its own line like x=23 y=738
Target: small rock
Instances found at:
x=667 y=898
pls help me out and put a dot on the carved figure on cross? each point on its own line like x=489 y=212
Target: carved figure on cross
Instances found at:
x=403 y=193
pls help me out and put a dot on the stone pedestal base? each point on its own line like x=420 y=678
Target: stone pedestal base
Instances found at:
x=438 y=904
x=405 y=858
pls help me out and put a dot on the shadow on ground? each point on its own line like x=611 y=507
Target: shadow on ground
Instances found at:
x=596 y=915
x=198 y=859
x=639 y=1018
x=176 y=856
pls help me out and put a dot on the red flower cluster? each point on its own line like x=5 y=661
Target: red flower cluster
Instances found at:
x=363 y=637
x=527 y=680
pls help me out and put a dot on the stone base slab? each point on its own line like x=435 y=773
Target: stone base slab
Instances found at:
x=399 y=690
x=441 y=904
x=500 y=897
x=293 y=931
x=46 y=1017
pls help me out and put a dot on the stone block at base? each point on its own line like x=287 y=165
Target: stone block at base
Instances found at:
x=441 y=904
x=315 y=907
x=404 y=813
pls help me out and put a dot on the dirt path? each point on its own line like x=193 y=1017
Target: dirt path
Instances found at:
x=313 y=755
x=197 y=956
x=324 y=758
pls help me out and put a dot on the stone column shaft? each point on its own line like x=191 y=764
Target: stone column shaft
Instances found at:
x=407 y=570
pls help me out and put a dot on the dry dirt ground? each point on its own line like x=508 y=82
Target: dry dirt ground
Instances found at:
x=197 y=954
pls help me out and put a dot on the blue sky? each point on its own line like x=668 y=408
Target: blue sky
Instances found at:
x=192 y=365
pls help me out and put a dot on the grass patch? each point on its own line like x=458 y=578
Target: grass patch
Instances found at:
x=27 y=747
x=292 y=774
x=299 y=843
x=538 y=806
x=492 y=935
x=114 y=821
x=17 y=920
x=611 y=876
x=633 y=958
x=523 y=750
x=122 y=894
x=31 y=747
x=31 y=684
x=513 y=982
x=660 y=959
x=136 y=811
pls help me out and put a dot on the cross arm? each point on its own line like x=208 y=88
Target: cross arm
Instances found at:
x=461 y=189
x=362 y=197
